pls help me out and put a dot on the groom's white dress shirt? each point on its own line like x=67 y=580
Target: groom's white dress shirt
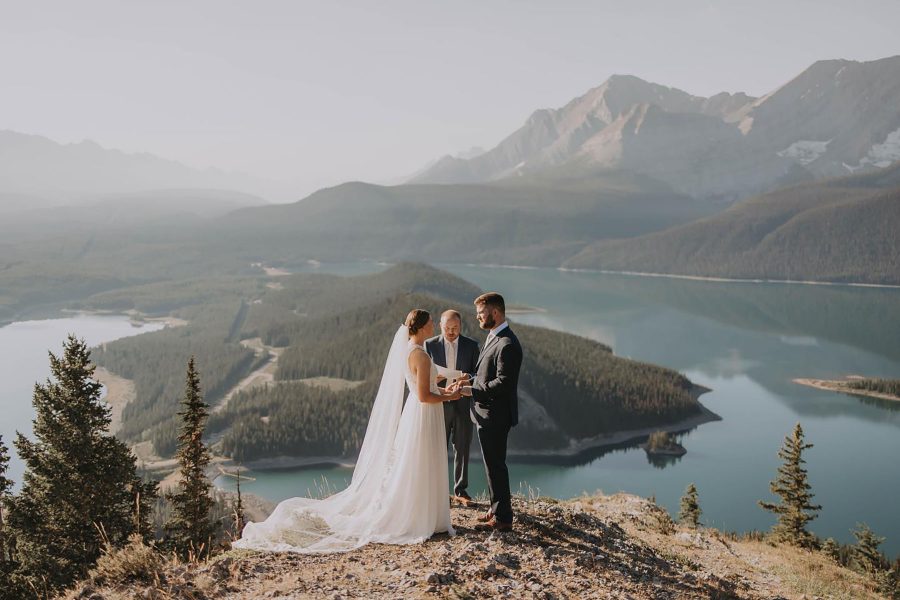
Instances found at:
x=493 y=333
x=467 y=390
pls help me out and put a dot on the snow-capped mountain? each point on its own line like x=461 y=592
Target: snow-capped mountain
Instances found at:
x=835 y=118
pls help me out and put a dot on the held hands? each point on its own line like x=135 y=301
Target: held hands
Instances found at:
x=459 y=387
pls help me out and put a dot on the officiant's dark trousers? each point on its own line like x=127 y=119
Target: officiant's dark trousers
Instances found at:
x=459 y=433
x=493 y=450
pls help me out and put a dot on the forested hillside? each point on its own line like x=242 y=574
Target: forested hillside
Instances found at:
x=838 y=230
x=340 y=328
x=531 y=221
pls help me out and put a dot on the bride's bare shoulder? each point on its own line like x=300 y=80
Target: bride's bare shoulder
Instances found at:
x=418 y=357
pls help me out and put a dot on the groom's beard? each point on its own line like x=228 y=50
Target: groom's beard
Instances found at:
x=489 y=323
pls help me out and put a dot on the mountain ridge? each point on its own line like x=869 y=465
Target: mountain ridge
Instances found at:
x=833 y=118
x=35 y=165
x=840 y=230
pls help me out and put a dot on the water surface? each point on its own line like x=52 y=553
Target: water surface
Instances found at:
x=24 y=361
x=745 y=341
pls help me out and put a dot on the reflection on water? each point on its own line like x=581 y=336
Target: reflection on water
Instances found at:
x=661 y=461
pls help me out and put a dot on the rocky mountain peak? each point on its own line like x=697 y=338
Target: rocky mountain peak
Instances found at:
x=834 y=118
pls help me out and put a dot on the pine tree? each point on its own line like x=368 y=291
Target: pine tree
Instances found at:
x=796 y=508
x=238 y=508
x=190 y=528
x=866 y=555
x=831 y=549
x=7 y=589
x=78 y=479
x=689 y=513
x=5 y=487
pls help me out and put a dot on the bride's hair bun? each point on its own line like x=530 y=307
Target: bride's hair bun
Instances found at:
x=416 y=320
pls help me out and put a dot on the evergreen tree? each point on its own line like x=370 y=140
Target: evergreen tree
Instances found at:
x=5 y=487
x=238 y=508
x=796 y=508
x=831 y=549
x=7 y=588
x=866 y=555
x=190 y=529
x=689 y=513
x=78 y=479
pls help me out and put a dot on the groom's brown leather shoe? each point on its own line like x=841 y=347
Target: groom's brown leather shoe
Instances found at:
x=494 y=525
x=464 y=499
x=486 y=517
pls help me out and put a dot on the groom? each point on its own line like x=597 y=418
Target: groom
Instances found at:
x=495 y=403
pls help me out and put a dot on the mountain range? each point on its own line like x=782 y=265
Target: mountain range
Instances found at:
x=835 y=118
x=36 y=172
x=525 y=221
x=635 y=176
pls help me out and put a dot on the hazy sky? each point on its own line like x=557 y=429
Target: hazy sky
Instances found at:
x=322 y=92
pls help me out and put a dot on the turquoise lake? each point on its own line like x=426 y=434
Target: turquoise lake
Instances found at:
x=745 y=341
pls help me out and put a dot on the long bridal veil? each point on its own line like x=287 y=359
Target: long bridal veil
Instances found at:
x=344 y=520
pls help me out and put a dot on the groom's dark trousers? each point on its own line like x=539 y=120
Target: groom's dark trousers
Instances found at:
x=457 y=421
x=495 y=410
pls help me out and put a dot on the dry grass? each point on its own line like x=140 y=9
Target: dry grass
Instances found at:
x=814 y=574
x=136 y=561
x=593 y=547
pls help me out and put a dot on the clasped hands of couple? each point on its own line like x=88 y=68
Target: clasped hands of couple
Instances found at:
x=457 y=389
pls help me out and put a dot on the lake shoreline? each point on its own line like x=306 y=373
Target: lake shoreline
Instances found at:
x=706 y=278
x=840 y=386
x=576 y=452
x=119 y=393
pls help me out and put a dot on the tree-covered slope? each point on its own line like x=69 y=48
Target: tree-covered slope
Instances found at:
x=340 y=328
x=530 y=221
x=842 y=230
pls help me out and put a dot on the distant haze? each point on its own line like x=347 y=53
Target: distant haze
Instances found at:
x=313 y=94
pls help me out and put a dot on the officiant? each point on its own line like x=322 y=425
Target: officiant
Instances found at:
x=455 y=352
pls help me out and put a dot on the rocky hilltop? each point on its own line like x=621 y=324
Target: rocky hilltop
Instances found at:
x=618 y=546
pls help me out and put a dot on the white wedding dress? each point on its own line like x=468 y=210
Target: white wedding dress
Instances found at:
x=398 y=492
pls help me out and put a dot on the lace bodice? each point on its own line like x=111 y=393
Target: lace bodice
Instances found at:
x=411 y=379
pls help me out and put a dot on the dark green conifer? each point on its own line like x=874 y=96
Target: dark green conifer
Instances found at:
x=190 y=529
x=78 y=479
x=5 y=487
x=796 y=508
x=238 y=508
x=831 y=549
x=689 y=512
x=866 y=555
x=7 y=589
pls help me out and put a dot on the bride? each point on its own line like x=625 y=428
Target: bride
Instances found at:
x=398 y=492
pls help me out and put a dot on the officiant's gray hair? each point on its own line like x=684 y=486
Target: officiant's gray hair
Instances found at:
x=451 y=314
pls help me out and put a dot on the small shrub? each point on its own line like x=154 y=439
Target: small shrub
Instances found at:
x=136 y=561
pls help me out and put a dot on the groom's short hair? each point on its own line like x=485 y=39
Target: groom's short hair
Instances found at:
x=492 y=300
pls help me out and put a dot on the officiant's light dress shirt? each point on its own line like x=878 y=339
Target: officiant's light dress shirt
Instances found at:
x=450 y=351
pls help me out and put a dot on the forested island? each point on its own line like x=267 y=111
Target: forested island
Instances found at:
x=308 y=349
